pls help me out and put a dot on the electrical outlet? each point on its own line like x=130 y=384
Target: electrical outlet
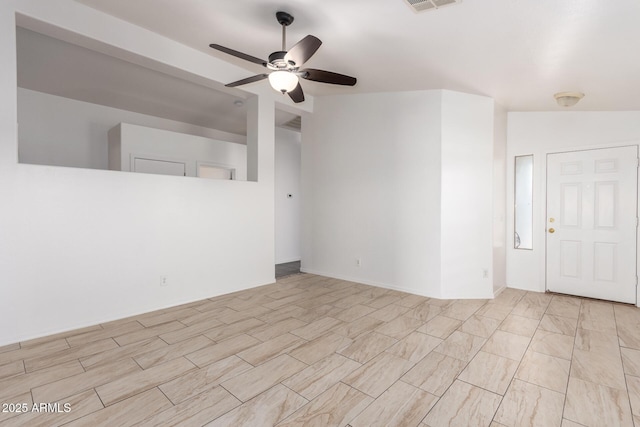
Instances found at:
x=358 y=263
x=164 y=281
x=485 y=273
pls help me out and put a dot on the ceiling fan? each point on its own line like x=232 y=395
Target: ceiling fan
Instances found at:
x=285 y=65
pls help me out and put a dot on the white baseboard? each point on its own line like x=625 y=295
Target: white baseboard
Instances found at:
x=347 y=278
x=123 y=315
x=287 y=260
x=499 y=291
x=396 y=288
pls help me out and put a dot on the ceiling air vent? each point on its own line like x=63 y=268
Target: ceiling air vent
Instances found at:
x=422 y=5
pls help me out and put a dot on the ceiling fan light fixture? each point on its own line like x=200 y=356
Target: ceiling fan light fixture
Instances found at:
x=285 y=64
x=283 y=81
x=568 y=99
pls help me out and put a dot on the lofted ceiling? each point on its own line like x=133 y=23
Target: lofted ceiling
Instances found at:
x=519 y=52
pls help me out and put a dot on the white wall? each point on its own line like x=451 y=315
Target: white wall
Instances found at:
x=59 y=131
x=80 y=246
x=499 y=198
x=287 y=209
x=550 y=132
x=390 y=179
x=347 y=170
x=467 y=196
x=411 y=126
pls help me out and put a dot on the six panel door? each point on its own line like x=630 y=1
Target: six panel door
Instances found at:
x=591 y=223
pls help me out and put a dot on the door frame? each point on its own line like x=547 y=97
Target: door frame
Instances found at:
x=544 y=201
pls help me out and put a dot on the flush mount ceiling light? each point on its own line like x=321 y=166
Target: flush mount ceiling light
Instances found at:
x=568 y=99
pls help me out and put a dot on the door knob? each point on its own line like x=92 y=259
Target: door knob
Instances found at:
x=552 y=230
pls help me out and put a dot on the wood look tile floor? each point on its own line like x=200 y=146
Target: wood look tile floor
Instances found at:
x=314 y=351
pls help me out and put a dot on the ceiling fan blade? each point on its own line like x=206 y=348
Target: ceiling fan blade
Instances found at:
x=303 y=50
x=297 y=95
x=327 y=77
x=248 y=80
x=239 y=54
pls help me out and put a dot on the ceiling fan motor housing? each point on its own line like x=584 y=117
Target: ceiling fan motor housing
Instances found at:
x=277 y=61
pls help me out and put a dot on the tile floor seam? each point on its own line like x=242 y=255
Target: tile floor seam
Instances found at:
x=489 y=391
x=99 y=398
x=363 y=409
x=171 y=401
x=142 y=391
x=517 y=367
x=222 y=414
x=240 y=400
x=293 y=391
x=136 y=362
x=447 y=389
x=575 y=338
x=509 y=386
x=356 y=388
x=626 y=384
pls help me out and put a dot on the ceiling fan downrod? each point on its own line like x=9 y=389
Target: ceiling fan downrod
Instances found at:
x=285 y=19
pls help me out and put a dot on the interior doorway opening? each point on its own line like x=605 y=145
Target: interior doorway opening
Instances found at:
x=288 y=156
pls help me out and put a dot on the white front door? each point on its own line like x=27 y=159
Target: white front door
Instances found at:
x=591 y=223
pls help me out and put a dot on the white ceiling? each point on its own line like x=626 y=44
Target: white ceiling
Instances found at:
x=520 y=52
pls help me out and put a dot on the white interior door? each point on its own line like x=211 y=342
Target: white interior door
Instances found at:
x=591 y=223
x=214 y=172
x=160 y=167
